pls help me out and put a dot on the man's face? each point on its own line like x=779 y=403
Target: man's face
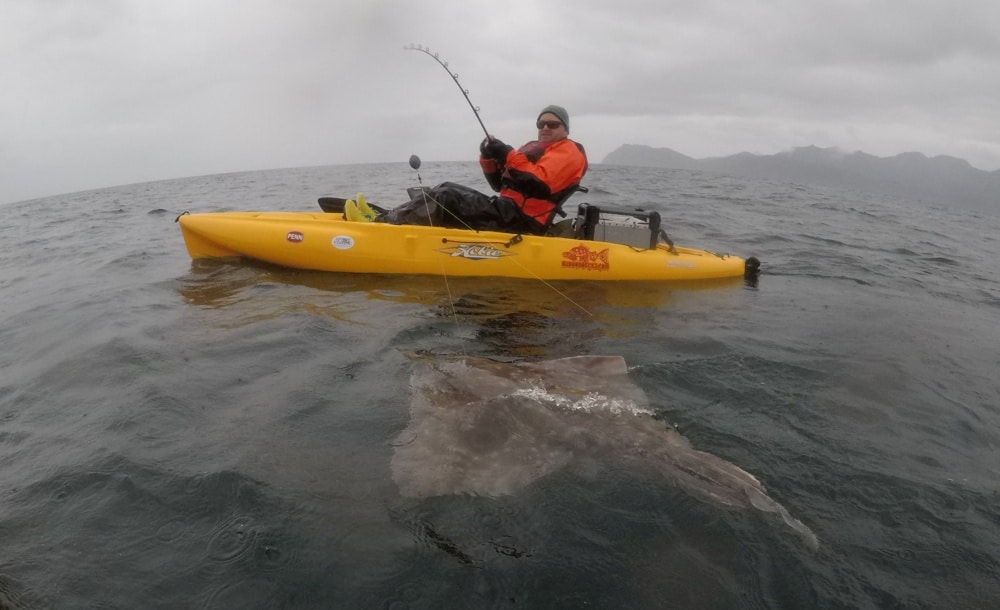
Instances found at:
x=550 y=128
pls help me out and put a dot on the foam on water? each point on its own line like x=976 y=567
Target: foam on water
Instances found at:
x=589 y=402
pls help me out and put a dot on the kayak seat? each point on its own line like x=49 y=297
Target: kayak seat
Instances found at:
x=560 y=212
x=564 y=228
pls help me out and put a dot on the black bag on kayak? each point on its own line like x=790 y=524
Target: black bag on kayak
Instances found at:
x=456 y=206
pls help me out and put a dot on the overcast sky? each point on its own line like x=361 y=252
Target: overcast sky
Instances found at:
x=98 y=93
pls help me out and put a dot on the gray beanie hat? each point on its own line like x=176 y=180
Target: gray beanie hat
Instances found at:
x=559 y=111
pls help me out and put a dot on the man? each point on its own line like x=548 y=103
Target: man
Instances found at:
x=532 y=181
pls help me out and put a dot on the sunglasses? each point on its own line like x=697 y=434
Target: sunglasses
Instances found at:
x=549 y=124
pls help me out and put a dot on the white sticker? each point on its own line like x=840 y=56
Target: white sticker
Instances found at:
x=343 y=242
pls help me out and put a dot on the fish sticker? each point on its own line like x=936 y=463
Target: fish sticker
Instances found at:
x=582 y=257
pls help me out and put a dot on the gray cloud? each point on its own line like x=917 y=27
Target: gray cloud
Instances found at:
x=115 y=91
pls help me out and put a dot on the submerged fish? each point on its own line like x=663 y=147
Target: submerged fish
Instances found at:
x=490 y=428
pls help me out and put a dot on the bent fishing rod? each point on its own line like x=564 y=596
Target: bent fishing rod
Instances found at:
x=454 y=77
x=415 y=160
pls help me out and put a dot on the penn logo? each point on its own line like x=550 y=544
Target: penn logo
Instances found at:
x=295 y=237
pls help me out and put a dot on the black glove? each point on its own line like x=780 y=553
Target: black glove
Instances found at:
x=495 y=149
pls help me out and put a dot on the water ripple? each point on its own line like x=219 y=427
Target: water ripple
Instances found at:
x=190 y=434
x=232 y=540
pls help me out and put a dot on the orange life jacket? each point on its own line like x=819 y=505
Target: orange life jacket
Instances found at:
x=538 y=176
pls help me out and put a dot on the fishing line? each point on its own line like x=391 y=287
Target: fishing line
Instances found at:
x=415 y=164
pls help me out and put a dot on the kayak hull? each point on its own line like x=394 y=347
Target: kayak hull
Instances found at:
x=326 y=242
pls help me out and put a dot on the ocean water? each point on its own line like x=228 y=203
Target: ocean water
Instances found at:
x=178 y=434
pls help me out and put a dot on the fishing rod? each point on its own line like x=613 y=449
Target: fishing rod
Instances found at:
x=415 y=164
x=454 y=77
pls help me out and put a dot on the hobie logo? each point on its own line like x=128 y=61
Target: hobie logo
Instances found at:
x=295 y=237
x=476 y=252
x=342 y=242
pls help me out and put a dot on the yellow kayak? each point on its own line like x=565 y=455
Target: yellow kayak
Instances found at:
x=327 y=242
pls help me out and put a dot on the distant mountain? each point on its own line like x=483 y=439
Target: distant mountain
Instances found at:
x=939 y=180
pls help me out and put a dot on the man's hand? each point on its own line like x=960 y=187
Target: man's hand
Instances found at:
x=492 y=148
